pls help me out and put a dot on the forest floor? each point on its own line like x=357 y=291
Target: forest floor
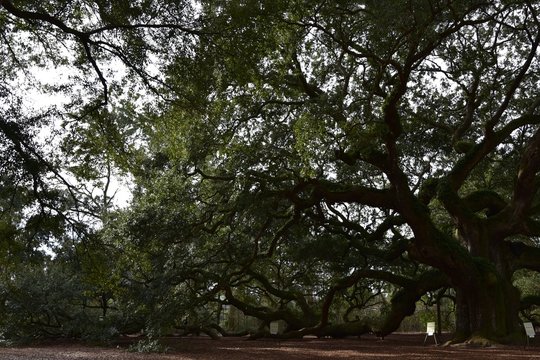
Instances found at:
x=396 y=346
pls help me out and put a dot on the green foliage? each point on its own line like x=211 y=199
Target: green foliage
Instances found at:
x=40 y=302
x=527 y=282
x=300 y=160
x=148 y=346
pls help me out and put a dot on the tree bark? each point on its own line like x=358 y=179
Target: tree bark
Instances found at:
x=487 y=307
x=487 y=303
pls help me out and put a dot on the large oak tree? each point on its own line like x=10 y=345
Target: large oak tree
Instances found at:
x=407 y=131
x=423 y=111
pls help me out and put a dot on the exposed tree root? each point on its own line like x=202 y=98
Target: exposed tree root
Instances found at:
x=473 y=341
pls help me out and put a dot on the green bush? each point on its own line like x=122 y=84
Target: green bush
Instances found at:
x=148 y=345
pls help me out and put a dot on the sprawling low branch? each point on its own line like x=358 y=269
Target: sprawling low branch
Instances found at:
x=265 y=313
x=284 y=294
x=404 y=301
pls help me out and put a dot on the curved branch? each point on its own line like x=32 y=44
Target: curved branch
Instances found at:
x=333 y=193
x=478 y=152
x=527 y=183
x=265 y=313
x=485 y=199
x=404 y=301
x=523 y=256
x=283 y=294
x=31 y=15
x=514 y=85
x=83 y=37
x=529 y=301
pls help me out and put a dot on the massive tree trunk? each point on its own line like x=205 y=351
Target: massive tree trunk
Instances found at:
x=480 y=270
x=487 y=309
x=487 y=302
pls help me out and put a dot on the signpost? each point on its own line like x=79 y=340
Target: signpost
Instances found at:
x=274 y=327
x=430 y=331
x=529 y=330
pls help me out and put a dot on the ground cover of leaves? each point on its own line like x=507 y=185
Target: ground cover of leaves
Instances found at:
x=396 y=346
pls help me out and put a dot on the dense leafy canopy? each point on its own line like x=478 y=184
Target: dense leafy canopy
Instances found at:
x=311 y=162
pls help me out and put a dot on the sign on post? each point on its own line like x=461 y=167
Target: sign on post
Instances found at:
x=529 y=330
x=274 y=327
x=430 y=331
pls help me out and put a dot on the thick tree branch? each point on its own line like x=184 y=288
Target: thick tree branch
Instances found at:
x=463 y=168
x=485 y=200
x=523 y=256
x=527 y=182
x=404 y=301
x=510 y=92
x=283 y=294
x=332 y=193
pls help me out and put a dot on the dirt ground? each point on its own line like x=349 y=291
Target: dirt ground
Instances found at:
x=397 y=346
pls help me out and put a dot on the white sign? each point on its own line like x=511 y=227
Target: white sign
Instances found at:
x=274 y=327
x=529 y=329
x=430 y=328
x=430 y=331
